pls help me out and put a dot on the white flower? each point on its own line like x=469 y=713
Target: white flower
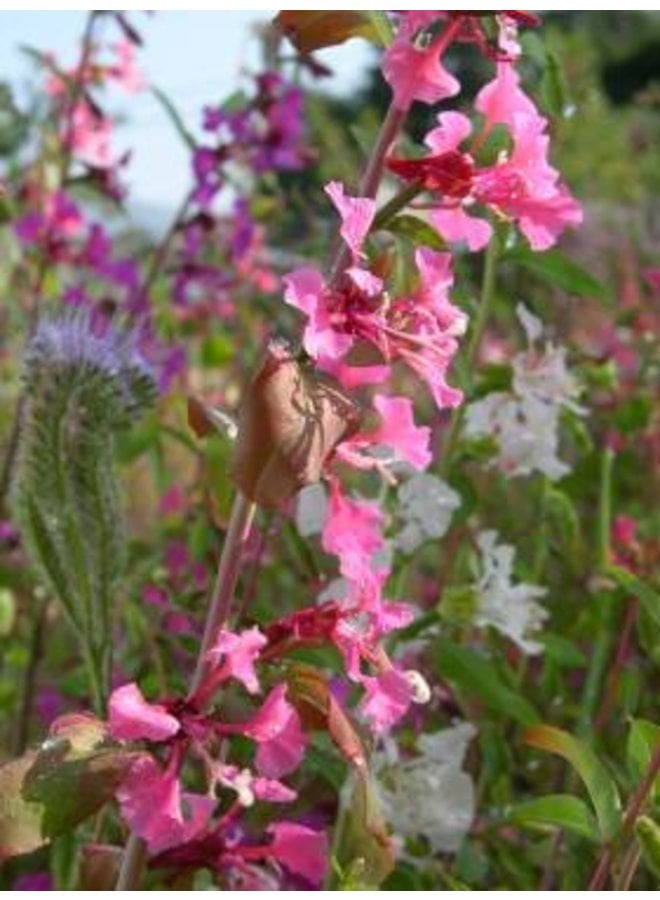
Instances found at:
x=430 y=795
x=510 y=608
x=311 y=510
x=426 y=506
x=525 y=422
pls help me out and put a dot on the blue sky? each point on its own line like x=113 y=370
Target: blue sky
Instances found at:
x=195 y=57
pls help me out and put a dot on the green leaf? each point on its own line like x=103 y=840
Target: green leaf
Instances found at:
x=49 y=791
x=630 y=583
x=175 y=118
x=643 y=743
x=557 y=269
x=362 y=849
x=477 y=676
x=553 y=89
x=648 y=834
x=418 y=231
x=600 y=786
x=382 y=27
x=7 y=611
x=557 y=811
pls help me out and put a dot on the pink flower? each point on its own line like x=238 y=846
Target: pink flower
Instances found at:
x=276 y=728
x=131 y=718
x=301 y=850
x=352 y=533
x=152 y=805
x=90 y=136
x=522 y=186
x=397 y=431
x=238 y=653
x=502 y=99
x=357 y=215
x=387 y=699
x=306 y=290
x=417 y=73
x=125 y=71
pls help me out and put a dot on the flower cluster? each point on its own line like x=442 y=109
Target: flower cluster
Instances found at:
x=525 y=422
x=166 y=816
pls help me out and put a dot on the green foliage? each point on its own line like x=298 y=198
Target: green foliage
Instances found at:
x=598 y=782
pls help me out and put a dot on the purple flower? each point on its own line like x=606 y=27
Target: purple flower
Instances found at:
x=34 y=881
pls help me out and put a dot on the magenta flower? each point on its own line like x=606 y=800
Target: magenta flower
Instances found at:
x=352 y=533
x=132 y=718
x=236 y=655
x=276 y=728
x=300 y=849
x=157 y=810
x=387 y=699
x=521 y=186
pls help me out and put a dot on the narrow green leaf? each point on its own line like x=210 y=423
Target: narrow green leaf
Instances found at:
x=175 y=118
x=648 y=834
x=557 y=269
x=643 y=742
x=600 y=786
x=418 y=231
x=557 y=811
x=477 y=676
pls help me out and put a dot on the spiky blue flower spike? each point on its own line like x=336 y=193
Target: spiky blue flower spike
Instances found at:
x=85 y=381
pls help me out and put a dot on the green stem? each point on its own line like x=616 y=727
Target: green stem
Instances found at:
x=389 y=210
x=483 y=314
x=606 y=603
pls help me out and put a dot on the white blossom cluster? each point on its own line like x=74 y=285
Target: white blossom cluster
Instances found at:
x=525 y=421
x=426 y=505
x=510 y=608
x=430 y=795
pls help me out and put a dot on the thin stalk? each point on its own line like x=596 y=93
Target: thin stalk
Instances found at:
x=135 y=854
x=633 y=810
x=600 y=654
x=628 y=868
x=240 y=522
x=486 y=299
x=21 y=731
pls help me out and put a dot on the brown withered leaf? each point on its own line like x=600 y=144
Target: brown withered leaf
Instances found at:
x=290 y=420
x=48 y=791
x=310 y=30
x=309 y=692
